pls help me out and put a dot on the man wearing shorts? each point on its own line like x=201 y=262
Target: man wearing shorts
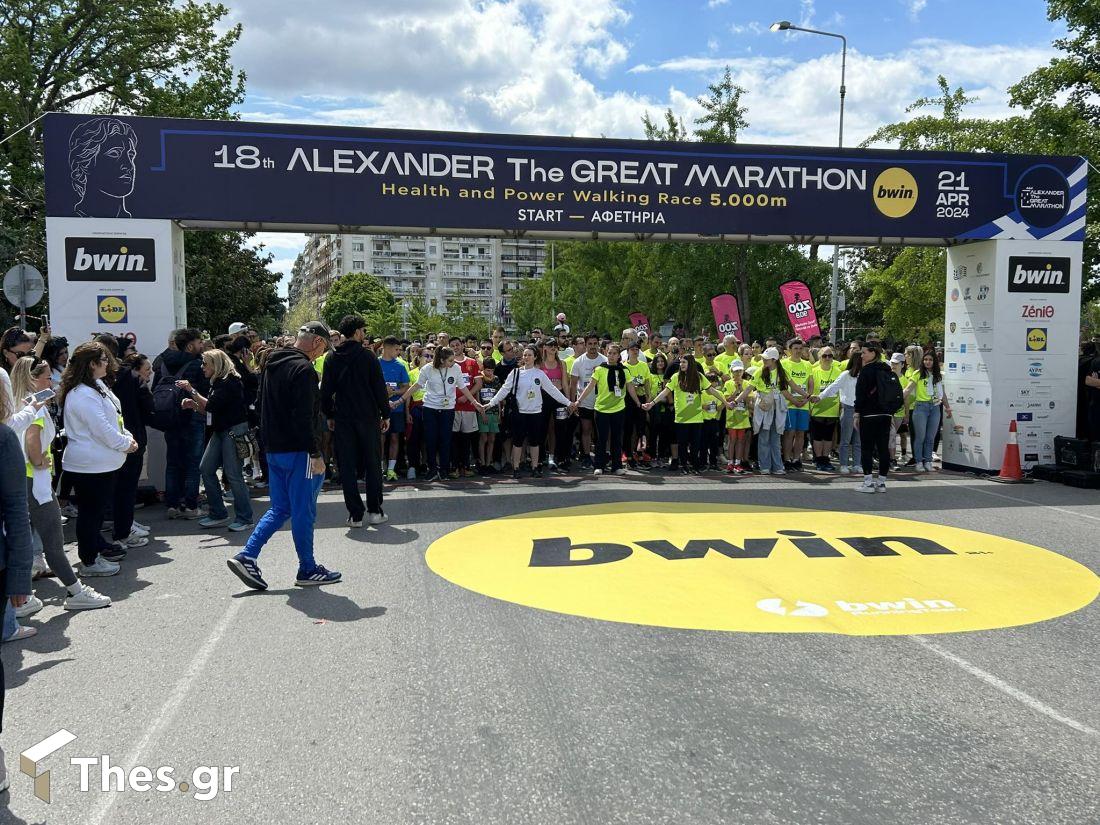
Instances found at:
x=800 y=376
x=466 y=423
x=396 y=376
x=581 y=371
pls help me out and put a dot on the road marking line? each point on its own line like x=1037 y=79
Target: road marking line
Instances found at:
x=1004 y=687
x=1021 y=500
x=173 y=703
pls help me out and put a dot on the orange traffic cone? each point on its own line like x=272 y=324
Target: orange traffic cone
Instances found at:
x=1010 y=467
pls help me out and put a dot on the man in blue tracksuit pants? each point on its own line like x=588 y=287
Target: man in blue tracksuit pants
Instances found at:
x=290 y=419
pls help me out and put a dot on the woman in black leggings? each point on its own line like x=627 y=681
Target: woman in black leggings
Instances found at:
x=873 y=422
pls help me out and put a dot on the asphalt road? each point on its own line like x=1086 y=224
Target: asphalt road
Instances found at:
x=398 y=697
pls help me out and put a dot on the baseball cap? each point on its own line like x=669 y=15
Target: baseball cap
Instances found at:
x=772 y=353
x=736 y=364
x=238 y=326
x=315 y=328
x=897 y=358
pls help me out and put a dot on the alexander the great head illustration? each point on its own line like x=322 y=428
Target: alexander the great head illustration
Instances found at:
x=101 y=166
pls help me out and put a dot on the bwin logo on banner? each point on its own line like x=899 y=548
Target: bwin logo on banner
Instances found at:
x=1028 y=274
x=110 y=259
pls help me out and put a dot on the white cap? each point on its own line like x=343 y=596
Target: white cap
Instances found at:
x=897 y=358
x=237 y=326
x=771 y=352
x=737 y=365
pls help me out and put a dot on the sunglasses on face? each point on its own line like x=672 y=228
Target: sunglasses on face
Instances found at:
x=486 y=349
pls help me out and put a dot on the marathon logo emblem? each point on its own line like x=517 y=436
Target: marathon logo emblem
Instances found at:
x=1026 y=274
x=110 y=259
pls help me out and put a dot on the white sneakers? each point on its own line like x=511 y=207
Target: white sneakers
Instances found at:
x=866 y=487
x=377 y=518
x=354 y=522
x=32 y=606
x=621 y=471
x=132 y=540
x=86 y=599
x=101 y=567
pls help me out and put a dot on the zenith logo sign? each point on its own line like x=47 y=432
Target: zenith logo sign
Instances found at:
x=1038 y=274
x=110 y=259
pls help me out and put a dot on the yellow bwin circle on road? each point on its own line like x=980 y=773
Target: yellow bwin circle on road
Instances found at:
x=761 y=569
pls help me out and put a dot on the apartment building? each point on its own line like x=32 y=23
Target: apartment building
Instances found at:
x=451 y=274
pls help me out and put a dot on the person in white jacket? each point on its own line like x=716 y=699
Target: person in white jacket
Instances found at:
x=527 y=383
x=28 y=377
x=97 y=447
x=845 y=387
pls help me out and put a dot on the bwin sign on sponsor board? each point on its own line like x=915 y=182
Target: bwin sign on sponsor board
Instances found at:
x=110 y=259
x=1038 y=274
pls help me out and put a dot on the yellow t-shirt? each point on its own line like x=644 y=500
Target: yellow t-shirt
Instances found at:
x=689 y=405
x=608 y=400
x=738 y=417
x=418 y=395
x=723 y=360
x=827 y=407
x=639 y=376
x=40 y=422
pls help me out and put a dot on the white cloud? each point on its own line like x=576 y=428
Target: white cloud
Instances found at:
x=713 y=4
x=535 y=66
x=797 y=103
x=915 y=7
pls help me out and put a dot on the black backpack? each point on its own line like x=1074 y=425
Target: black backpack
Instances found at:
x=167 y=397
x=888 y=393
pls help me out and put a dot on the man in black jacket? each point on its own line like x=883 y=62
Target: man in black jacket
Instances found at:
x=290 y=420
x=183 y=442
x=356 y=403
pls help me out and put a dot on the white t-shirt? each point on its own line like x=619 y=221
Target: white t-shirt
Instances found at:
x=582 y=370
x=440 y=386
x=528 y=386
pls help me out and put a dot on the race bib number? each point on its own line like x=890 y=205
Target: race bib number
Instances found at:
x=486 y=395
x=392 y=386
x=618 y=392
x=530 y=395
x=561 y=413
x=712 y=406
x=690 y=397
x=465 y=380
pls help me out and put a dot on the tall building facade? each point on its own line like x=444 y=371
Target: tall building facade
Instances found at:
x=450 y=274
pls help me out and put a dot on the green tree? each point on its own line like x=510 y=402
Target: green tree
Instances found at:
x=229 y=281
x=356 y=292
x=308 y=308
x=907 y=294
x=723 y=115
x=143 y=57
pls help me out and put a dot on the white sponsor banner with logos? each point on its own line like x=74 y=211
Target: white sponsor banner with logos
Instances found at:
x=119 y=276
x=1010 y=349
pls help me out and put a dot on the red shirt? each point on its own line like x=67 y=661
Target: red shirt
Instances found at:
x=470 y=370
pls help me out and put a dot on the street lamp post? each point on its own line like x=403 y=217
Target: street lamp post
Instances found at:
x=834 y=283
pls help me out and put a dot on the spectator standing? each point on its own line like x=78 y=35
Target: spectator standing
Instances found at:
x=290 y=408
x=183 y=440
x=356 y=406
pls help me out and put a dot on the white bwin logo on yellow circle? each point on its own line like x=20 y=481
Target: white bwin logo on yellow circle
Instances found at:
x=761 y=569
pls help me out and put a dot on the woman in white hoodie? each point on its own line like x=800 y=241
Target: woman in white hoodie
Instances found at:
x=527 y=384
x=28 y=377
x=97 y=447
x=845 y=387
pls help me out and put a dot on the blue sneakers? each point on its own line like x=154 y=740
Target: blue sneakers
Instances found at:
x=317 y=576
x=246 y=569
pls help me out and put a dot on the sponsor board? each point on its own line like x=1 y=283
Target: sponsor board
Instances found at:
x=110 y=259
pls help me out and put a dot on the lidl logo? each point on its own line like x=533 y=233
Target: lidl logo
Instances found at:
x=895 y=192
x=112 y=309
x=761 y=569
x=1037 y=339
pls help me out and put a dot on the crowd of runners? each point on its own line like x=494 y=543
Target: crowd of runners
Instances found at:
x=239 y=412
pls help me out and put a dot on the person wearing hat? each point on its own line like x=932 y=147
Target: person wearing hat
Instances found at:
x=773 y=394
x=238 y=327
x=290 y=417
x=738 y=426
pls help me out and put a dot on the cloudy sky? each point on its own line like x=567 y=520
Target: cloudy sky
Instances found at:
x=594 y=67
